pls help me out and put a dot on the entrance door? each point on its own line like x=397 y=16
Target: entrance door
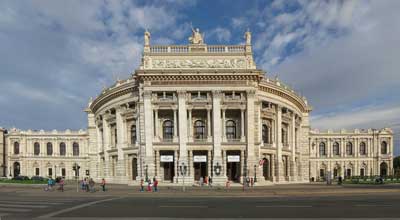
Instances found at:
x=266 y=169
x=200 y=170
x=383 y=169
x=134 y=168
x=233 y=171
x=168 y=171
x=17 y=169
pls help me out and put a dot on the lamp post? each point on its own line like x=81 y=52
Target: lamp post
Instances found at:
x=255 y=173
x=76 y=168
x=10 y=173
x=217 y=169
x=55 y=172
x=183 y=169
x=147 y=175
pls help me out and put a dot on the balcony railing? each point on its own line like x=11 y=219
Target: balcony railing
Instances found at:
x=209 y=49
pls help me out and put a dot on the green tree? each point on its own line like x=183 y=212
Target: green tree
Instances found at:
x=396 y=165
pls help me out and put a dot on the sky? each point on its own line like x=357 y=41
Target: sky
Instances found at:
x=344 y=56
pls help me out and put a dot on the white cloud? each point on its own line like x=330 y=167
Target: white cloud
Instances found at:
x=221 y=34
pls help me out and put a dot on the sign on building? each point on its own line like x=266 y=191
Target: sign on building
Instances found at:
x=167 y=158
x=199 y=158
x=233 y=158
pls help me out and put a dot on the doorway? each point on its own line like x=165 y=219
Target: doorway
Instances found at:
x=168 y=171
x=266 y=169
x=134 y=168
x=200 y=170
x=17 y=169
x=383 y=169
x=233 y=171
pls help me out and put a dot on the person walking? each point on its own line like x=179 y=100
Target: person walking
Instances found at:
x=251 y=182
x=61 y=183
x=155 y=185
x=149 y=186
x=49 y=184
x=141 y=185
x=103 y=184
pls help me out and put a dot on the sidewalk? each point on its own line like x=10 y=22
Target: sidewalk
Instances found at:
x=177 y=191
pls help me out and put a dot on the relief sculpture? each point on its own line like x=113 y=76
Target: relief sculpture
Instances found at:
x=200 y=63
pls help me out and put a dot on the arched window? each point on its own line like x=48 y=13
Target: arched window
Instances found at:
x=322 y=149
x=384 y=147
x=49 y=149
x=62 y=149
x=16 y=147
x=36 y=148
x=349 y=148
x=363 y=148
x=168 y=130
x=336 y=149
x=230 y=129
x=199 y=129
x=75 y=149
x=133 y=134
x=265 y=134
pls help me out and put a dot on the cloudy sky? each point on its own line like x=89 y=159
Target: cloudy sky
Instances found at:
x=344 y=56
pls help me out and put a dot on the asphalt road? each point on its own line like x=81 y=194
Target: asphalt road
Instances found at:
x=42 y=205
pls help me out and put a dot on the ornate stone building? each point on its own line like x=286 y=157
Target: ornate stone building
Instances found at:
x=197 y=110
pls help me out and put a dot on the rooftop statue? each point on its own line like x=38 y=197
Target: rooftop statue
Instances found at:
x=197 y=37
x=147 y=38
x=247 y=37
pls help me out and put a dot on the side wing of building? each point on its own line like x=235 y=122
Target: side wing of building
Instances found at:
x=351 y=153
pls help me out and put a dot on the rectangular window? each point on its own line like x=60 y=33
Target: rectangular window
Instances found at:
x=50 y=171
x=335 y=172
x=63 y=172
x=362 y=172
x=37 y=173
x=348 y=172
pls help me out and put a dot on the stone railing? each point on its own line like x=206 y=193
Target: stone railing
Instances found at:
x=208 y=49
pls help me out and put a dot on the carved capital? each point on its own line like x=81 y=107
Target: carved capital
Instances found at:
x=147 y=94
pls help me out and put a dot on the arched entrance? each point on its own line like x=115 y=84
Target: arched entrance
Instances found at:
x=17 y=169
x=134 y=168
x=384 y=168
x=266 y=168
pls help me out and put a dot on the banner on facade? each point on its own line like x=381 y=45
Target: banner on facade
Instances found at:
x=233 y=158
x=167 y=158
x=199 y=158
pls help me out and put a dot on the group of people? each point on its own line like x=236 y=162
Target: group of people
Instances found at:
x=51 y=183
x=152 y=186
x=88 y=185
x=205 y=181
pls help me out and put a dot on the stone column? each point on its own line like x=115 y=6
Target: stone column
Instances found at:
x=137 y=124
x=121 y=143
x=217 y=156
x=191 y=165
x=223 y=126
x=242 y=167
x=183 y=152
x=279 y=165
x=209 y=166
x=293 y=157
x=342 y=147
x=209 y=137
x=176 y=126
x=190 y=124
x=148 y=133
x=242 y=137
x=106 y=146
x=158 y=164
x=273 y=171
x=252 y=157
x=156 y=126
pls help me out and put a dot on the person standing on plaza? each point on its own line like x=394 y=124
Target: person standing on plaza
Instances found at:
x=251 y=182
x=141 y=185
x=103 y=184
x=209 y=181
x=149 y=186
x=91 y=185
x=201 y=181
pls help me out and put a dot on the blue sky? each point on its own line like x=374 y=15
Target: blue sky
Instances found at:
x=342 y=55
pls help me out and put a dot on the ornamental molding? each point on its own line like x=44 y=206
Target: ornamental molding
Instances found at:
x=198 y=63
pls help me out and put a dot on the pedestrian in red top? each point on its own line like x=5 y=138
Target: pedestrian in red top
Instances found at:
x=155 y=184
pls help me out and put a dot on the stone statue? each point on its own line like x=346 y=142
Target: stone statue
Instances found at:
x=146 y=38
x=247 y=36
x=197 y=37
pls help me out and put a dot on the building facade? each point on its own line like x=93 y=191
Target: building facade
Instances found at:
x=196 y=110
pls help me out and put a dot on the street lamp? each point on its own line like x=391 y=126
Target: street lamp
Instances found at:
x=146 y=169
x=217 y=169
x=183 y=170
x=255 y=173
x=55 y=172
x=76 y=168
